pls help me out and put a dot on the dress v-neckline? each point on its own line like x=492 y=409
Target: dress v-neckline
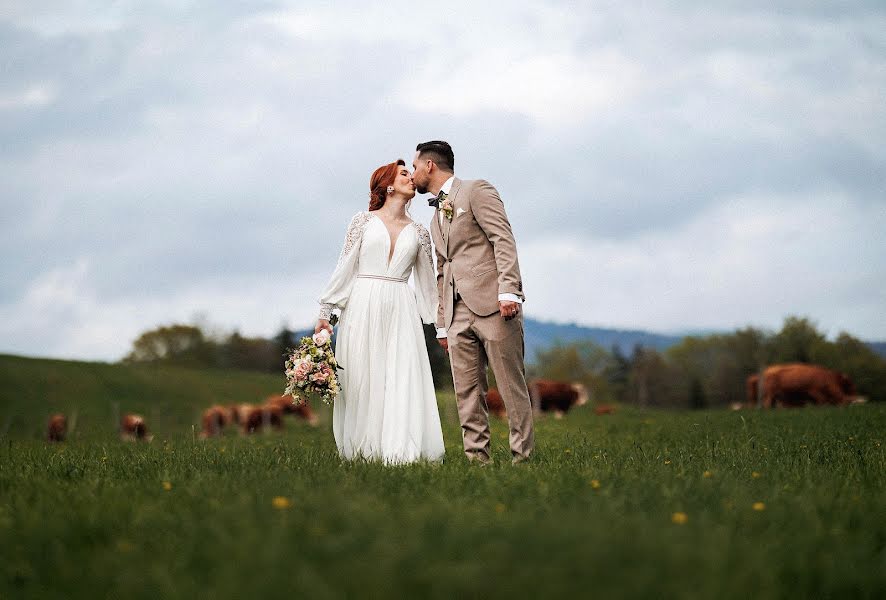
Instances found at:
x=392 y=241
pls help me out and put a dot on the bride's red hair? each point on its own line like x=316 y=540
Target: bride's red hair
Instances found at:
x=381 y=178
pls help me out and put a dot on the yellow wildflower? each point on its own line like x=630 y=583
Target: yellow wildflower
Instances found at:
x=595 y=484
x=499 y=508
x=167 y=486
x=756 y=475
x=759 y=506
x=679 y=518
x=281 y=502
x=707 y=474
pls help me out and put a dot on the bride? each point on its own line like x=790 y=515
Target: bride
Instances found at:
x=387 y=409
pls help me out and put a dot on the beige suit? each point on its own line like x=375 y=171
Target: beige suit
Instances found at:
x=477 y=261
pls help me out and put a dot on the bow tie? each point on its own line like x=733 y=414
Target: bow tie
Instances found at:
x=435 y=201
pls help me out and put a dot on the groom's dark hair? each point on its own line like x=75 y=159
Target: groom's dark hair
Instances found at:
x=438 y=151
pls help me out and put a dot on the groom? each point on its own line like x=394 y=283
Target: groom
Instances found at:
x=479 y=320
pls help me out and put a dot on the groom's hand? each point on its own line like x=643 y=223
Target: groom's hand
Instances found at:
x=444 y=343
x=508 y=309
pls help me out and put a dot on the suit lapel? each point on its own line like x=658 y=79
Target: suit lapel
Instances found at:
x=436 y=232
x=447 y=224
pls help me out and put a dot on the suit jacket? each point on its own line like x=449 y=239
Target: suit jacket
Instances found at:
x=476 y=251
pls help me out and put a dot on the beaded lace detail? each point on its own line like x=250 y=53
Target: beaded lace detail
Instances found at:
x=425 y=239
x=352 y=241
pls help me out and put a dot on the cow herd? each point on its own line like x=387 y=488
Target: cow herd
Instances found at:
x=246 y=418
x=783 y=385
x=251 y=418
x=131 y=428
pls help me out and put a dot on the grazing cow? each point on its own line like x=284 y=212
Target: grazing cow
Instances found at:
x=259 y=417
x=133 y=427
x=556 y=396
x=57 y=428
x=302 y=411
x=796 y=384
x=215 y=419
x=495 y=404
x=238 y=412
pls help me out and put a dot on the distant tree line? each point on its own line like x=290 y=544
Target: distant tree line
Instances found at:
x=708 y=371
x=699 y=372
x=191 y=346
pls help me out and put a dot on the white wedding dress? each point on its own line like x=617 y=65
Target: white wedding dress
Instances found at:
x=387 y=408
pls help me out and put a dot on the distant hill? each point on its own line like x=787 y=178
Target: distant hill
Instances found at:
x=542 y=334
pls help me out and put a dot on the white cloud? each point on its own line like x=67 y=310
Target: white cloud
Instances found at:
x=35 y=96
x=553 y=89
x=749 y=260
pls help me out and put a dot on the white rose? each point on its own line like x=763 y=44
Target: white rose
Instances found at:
x=321 y=337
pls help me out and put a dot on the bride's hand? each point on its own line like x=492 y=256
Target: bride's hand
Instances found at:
x=323 y=324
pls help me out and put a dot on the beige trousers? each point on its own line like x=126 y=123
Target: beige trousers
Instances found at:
x=474 y=342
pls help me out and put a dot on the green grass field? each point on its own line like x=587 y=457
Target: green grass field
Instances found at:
x=638 y=504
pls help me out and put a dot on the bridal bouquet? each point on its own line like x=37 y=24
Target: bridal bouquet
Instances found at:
x=311 y=368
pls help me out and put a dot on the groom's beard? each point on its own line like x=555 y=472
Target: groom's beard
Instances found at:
x=421 y=189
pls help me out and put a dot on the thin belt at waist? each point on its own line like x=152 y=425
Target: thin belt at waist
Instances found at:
x=384 y=278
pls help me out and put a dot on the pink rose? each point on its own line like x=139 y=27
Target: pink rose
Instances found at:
x=320 y=377
x=302 y=370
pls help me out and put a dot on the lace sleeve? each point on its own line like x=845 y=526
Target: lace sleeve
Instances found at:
x=424 y=239
x=339 y=288
x=425 y=278
x=354 y=235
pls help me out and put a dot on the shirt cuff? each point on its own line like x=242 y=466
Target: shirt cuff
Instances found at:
x=509 y=298
x=441 y=332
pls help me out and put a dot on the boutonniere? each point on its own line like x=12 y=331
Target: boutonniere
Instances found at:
x=446 y=207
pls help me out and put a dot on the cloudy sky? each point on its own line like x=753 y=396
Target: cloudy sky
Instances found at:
x=675 y=166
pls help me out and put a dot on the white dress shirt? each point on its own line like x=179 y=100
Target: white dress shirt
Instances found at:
x=447 y=185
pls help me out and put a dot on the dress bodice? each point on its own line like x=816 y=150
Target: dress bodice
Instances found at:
x=366 y=252
x=376 y=248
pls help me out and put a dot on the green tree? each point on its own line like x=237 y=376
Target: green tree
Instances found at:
x=173 y=344
x=798 y=341
x=583 y=362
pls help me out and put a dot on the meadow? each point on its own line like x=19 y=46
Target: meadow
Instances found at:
x=640 y=504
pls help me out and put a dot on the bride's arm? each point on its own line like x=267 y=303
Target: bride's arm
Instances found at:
x=425 y=278
x=339 y=287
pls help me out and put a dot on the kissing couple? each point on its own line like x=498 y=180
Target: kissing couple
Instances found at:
x=468 y=283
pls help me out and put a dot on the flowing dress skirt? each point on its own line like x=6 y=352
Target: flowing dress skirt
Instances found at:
x=387 y=408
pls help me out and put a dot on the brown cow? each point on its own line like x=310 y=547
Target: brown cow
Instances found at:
x=215 y=419
x=556 y=396
x=796 y=384
x=133 y=427
x=302 y=410
x=238 y=412
x=57 y=428
x=259 y=417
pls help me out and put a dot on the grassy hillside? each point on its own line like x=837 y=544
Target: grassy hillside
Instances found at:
x=708 y=504
x=171 y=398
